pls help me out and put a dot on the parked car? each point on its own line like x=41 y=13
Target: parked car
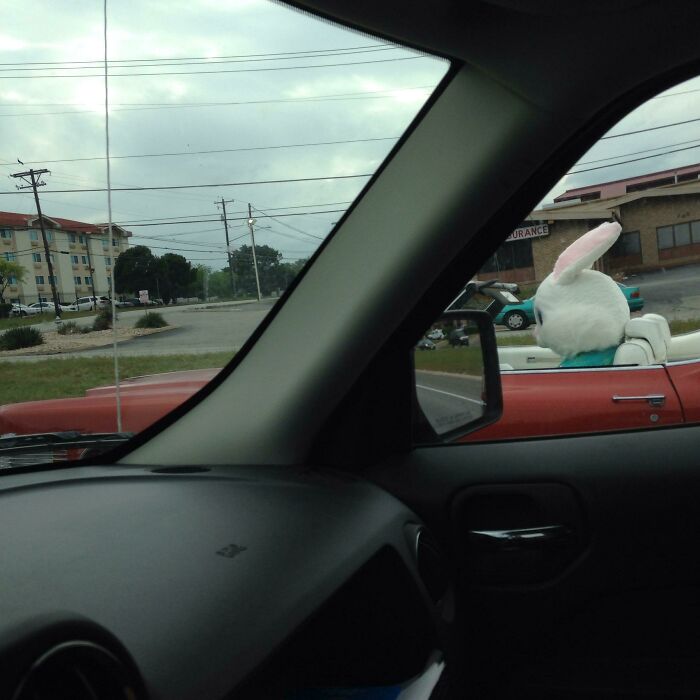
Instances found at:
x=436 y=334
x=48 y=307
x=124 y=303
x=425 y=344
x=517 y=317
x=89 y=303
x=23 y=310
x=458 y=337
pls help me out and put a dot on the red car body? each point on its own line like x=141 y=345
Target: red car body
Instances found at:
x=541 y=402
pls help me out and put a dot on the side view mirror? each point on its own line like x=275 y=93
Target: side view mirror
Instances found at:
x=457 y=379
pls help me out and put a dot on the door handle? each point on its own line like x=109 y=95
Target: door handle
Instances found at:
x=521 y=538
x=656 y=400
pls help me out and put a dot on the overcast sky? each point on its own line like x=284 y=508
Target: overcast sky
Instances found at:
x=60 y=118
x=375 y=96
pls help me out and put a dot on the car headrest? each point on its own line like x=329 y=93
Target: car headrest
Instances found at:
x=663 y=325
x=650 y=330
x=634 y=352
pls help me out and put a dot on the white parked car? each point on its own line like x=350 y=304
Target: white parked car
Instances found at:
x=22 y=310
x=47 y=307
x=89 y=303
x=436 y=334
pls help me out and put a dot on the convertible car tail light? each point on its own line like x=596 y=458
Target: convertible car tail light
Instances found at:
x=635 y=295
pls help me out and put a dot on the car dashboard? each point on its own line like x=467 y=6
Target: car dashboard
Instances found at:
x=190 y=582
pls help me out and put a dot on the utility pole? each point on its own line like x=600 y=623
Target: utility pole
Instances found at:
x=251 y=224
x=32 y=178
x=92 y=271
x=228 y=245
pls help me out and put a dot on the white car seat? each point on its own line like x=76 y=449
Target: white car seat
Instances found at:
x=645 y=341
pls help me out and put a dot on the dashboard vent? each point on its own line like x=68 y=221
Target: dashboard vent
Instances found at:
x=431 y=567
x=77 y=670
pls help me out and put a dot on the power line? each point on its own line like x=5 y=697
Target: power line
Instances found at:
x=650 y=128
x=211 y=72
x=289 y=226
x=193 y=58
x=632 y=160
x=212 y=103
x=202 y=61
x=636 y=153
x=215 y=184
x=218 y=150
x=183 y=216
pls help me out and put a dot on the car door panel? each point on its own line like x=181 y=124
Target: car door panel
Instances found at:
x=627 y=590
x=686 y=380
x=568 y=401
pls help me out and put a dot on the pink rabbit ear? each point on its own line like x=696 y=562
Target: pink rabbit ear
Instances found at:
x=584 y=251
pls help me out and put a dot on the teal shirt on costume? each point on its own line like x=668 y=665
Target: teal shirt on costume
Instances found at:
x=594 y=358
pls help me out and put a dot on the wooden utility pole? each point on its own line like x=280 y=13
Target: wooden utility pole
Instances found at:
x=251 y=224
x=92 y=272
x=32 y=178
x=228 y=244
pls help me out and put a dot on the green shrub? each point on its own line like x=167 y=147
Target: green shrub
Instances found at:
x=5 y=310
x=103 y=320
x=69 y=328
x=151 y=320
x=21 y=337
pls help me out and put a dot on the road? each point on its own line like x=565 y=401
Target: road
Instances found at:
x=200 y=328
x=449 y=400
x=673 y=293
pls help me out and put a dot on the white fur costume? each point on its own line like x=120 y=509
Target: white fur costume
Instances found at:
x=577 y=309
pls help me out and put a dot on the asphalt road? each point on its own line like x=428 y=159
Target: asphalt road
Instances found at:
x=449 y=400
x=200 y=328
x=673 y=293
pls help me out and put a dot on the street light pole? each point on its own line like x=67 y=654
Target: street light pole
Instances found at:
x=251 y=224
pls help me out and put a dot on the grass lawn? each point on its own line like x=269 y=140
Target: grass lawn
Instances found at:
x=686 y=326
x=60 y=378
x=511 y=339
x=6 y=323
x=449 y=359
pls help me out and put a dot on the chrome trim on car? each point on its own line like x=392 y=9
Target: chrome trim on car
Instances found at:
x=559 y=370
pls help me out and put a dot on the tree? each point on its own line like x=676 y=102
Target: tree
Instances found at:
x=136 y=269
x=174 y=276
x=8 y=271
x=269 y=269
x=220 y=284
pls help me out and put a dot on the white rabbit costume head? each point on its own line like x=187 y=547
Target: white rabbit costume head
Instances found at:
x=577 y=309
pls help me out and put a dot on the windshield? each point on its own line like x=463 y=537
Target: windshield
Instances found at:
x=171 y=168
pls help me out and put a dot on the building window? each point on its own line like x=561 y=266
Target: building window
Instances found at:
x=88 y=280
x=52 y=279
x=74 y=259
x=71 y=238
x=5 y=233
x=34 y=235
x=39 y=279
x=36 y=257
x=12 y=279
x=115 y=242
x=49 y=235
x=83 y=259
x=627 y=245
x=510 y=256
x=678 y=235
x=81 y=238
x=77 y=281
x=11 y=257
x=108 y=260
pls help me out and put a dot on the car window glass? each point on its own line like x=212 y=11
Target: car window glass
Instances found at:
x=561 y=374
x=238 y=135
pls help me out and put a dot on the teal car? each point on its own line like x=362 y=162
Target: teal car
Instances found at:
x=517 y=317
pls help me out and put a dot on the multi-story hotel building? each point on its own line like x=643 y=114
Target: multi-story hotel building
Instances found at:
x=82 y=255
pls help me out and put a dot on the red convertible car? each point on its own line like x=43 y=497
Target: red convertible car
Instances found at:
x=654 y=382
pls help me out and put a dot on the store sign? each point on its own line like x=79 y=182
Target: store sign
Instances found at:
x=534 y=231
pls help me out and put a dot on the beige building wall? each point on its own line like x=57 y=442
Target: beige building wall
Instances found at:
x=70 y=261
